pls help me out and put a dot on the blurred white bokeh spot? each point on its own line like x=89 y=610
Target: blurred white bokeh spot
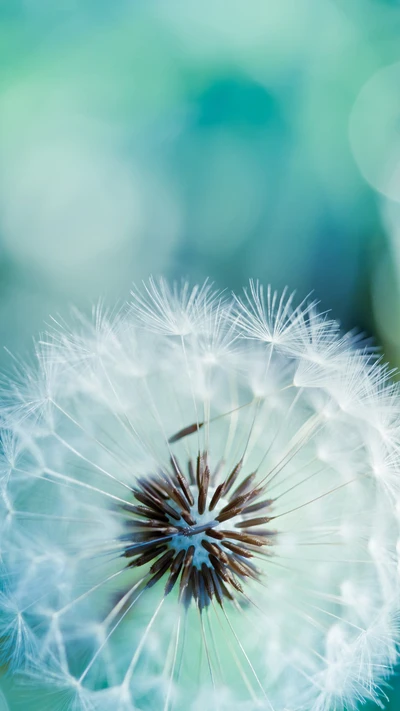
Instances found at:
x=78 y=212
x=253 y=31
x=374 y=131
x=67 y=202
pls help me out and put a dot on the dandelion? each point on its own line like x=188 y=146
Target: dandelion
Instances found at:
x=199 y=508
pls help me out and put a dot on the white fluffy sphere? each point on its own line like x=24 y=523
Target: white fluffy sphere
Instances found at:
x=200 y=504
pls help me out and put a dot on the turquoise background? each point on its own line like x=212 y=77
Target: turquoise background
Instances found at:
x=224 y=138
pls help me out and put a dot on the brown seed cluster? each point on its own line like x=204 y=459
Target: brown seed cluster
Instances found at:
x=199 y=534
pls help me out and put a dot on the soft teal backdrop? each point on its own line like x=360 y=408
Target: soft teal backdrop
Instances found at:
x=219 y=138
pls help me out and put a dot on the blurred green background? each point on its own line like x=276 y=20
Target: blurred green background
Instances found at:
x=220 y=138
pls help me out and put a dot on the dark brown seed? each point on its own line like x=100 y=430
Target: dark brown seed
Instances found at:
x=235 y=583
x=219 y=593
x=253 y=522
x=231 y=513
x=156 y=577
x=235 y=503
x=149 y=501
x=178 y=497
x=147 y=513
x=137 y=548
x=241 y=568
x=204 y=598
x=266 y=534
x=175 y=465
x=225 y=575
x=215 y=550
x=130 y=508
x=216 y=497
x=175 y=570
x=153 y=487
x=188 y=518
x=165 y=530
x=139 y=510
x=187 y=565
x=255 y=493
x=160 y=505
x=199 y=470
x=161 y=562
x=245 y=486
x=218 y=566
x=203 y=489
x=182 y=482
x=194 y=577
x=245 y=537
x=237 y=549
x=159 y=525
x=185 y=432
x=185 y=598
x=229 y=482
x=258 y=507
x=208 y=581
x=147 y=557
x=215 y=533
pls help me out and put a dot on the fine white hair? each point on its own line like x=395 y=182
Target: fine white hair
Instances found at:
x=297 y=607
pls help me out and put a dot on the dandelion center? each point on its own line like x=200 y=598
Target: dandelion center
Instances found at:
x=201 y=535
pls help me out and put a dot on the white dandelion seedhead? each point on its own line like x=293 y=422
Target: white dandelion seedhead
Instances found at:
x=199 y=507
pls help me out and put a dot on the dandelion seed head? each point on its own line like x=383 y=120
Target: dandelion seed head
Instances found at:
x=200 y=507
